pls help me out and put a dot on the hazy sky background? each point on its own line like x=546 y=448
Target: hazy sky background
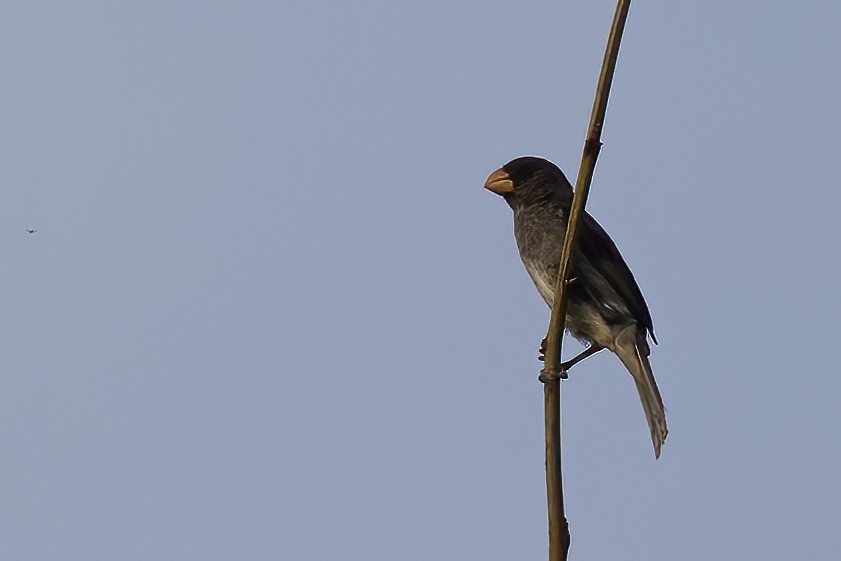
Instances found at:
x=270 y=312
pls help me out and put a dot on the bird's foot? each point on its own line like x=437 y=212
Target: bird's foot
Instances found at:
x=547 y=376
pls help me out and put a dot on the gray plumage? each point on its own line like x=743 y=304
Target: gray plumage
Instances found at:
x=606 y=308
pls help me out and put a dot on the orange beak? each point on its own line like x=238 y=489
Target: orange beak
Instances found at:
x=499 y=182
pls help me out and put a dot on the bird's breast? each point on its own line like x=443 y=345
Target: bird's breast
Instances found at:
x=543 y=279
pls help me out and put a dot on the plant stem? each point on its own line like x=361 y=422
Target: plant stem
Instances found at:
x=559 y=537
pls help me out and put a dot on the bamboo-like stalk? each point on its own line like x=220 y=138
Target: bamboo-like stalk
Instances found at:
x=559 y=537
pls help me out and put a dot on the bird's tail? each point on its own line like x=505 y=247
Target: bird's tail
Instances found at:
x=632 y=349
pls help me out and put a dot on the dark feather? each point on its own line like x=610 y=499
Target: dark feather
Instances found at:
x=595 y=244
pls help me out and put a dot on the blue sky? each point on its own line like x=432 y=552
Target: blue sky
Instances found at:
x=270 y=312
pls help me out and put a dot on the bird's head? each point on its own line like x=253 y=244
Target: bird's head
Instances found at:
x=530 y=180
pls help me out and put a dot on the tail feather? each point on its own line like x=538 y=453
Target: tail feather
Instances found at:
x=633 y=353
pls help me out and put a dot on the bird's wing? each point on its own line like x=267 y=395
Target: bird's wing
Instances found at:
x=601 y=252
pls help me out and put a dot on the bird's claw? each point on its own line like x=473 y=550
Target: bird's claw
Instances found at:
x=547 y=376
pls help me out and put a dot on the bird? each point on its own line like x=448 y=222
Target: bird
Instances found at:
x=606 y=308
x=31 y=230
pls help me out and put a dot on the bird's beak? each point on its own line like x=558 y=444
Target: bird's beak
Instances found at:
x=499 y=182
